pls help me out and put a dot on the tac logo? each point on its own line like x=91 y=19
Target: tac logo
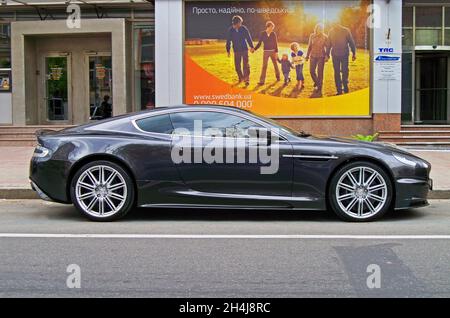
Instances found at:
x=385 y=50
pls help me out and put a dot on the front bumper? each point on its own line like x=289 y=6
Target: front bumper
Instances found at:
x=412 y=192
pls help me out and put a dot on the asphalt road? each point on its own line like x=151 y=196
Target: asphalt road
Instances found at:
x=192 y=253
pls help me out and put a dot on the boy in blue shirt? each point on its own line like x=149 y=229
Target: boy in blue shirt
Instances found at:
x=297 y=61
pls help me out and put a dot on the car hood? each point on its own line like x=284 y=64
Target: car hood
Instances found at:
x=382 y=146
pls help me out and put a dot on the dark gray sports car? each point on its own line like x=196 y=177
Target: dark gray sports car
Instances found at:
x=221 y=157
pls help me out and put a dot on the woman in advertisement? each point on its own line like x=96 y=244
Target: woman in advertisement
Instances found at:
x=269 y=38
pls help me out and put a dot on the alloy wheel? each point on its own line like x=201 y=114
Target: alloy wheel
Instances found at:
x=101 y=191
x=361 y=192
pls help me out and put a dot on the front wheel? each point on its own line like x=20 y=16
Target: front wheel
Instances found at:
x=360 y=191
x=102 y=191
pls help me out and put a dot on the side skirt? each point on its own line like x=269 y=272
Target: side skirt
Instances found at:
x=226 y=207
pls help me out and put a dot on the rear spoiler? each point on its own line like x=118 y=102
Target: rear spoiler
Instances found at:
x=42 y=133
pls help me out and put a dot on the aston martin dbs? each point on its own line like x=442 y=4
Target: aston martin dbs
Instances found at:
x=221 y=157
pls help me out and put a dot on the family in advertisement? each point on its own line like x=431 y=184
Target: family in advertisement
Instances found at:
x=337 y=44
x=287 y=58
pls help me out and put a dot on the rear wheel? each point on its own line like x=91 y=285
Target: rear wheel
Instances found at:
x=360 y=191
x=102 y=191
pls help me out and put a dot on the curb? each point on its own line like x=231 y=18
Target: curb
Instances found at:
x=18 y=194
x=28 y=194
x=439 y=194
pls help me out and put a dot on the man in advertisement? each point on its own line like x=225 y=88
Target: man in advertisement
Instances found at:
x=240 y=37
x=341 y=42
x=317 y=53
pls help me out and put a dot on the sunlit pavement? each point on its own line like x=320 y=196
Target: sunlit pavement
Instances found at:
x=14 y=169
x=195 y=253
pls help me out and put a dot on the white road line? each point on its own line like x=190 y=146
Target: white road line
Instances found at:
x=225 y=236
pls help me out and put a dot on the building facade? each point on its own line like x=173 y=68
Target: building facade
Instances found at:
x=426 y=62
x=127 y=56
x=57 y=69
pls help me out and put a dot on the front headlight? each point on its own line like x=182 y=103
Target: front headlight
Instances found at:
x=405 y=160
x=40 y=151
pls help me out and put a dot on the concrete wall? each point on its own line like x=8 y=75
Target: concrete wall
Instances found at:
x=5 y=109
x=22 y=67
x=387 y=94
x=31 y=93
x=169 y=52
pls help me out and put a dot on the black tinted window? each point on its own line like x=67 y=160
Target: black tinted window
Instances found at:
x=157 y=124
x=213 y=123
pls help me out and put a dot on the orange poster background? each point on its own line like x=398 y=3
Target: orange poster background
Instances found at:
x=202 y=87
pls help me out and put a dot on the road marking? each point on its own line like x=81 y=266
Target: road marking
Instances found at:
x=225 y=236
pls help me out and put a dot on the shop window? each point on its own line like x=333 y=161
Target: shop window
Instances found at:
x=447 y=26
x=407 y=87
x=427 y=17
x=407 y=37
x=407 y=17
x=100 y=87
x=5 y=80
x=428 y=36
x=407 y=26
x=144 y=65
x=428 y=25
x=5 y=46
x=5 y=58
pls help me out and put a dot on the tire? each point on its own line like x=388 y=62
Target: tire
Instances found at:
x=103 y=201
x=357 y=201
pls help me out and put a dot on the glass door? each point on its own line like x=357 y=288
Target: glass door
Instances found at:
x=100 y=86
x=432 y=88
x=57 y=89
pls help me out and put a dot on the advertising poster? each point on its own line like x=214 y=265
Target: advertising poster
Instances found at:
x=279 y=58
x=5 y=83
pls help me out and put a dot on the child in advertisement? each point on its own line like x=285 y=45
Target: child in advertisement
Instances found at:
x=297 y=62
x=286 y=67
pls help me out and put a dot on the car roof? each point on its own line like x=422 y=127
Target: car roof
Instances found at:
x=176 y=108
x=153 y=112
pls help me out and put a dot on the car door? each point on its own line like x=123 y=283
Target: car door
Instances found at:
x=150 y=156
x=236 y=176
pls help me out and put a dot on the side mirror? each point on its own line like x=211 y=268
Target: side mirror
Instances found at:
x=261 y=135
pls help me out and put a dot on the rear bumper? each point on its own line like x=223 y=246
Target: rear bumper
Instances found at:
x=41 y=193
x=48 y=179
x=412 y=192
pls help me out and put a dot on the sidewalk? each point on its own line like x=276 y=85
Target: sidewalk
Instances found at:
x=14 y=167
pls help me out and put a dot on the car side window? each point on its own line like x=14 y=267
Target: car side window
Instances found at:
x=156 y=124
x=212 y=124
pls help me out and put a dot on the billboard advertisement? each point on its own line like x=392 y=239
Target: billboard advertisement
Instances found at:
x=279 y=58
